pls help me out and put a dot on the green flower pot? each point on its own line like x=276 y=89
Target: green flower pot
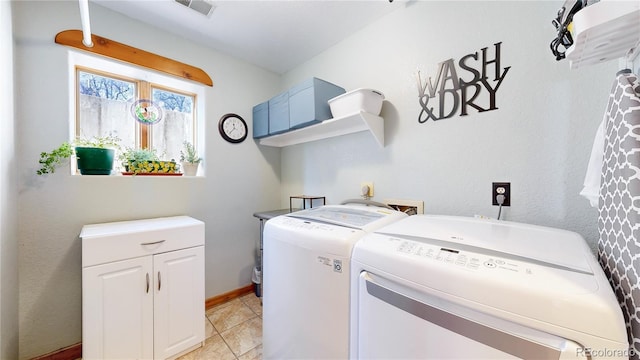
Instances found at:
x=94 y=161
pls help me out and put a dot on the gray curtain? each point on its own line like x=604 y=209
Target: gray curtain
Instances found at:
x=619 y=203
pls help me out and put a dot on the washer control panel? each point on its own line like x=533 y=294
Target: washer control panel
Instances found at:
x=459 y=258
x=307 y=225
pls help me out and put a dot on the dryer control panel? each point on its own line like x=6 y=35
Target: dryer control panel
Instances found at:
x=448 y=257
x=469 y=260
x=446 y=265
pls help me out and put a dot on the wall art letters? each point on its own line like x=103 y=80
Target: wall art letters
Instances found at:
x=475 y=89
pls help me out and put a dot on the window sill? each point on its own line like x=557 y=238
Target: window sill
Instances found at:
x=148 y=175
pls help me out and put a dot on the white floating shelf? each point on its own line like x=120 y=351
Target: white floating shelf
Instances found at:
x=357 y=122
x=605 y=31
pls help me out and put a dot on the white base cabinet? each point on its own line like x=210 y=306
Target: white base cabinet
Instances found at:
x=142 y=288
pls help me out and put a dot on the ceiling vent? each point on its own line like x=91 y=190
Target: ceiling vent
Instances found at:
x=203 y=7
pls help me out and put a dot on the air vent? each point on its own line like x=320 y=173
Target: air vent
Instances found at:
x=203 y=7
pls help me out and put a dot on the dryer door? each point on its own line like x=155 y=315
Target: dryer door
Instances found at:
x=397 y=321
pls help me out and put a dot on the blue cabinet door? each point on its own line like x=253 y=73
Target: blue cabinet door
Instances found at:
x=261 y=120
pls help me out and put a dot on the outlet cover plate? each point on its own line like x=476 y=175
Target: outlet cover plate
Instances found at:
x=368 y=184
x=497 y=188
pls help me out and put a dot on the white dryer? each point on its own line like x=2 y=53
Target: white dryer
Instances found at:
x=439 y=287
x=306 y=275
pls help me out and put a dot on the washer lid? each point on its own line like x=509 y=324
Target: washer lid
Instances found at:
x=353 y=216
x=547 y=245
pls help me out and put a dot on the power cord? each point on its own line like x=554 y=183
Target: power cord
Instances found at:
x=500 y=199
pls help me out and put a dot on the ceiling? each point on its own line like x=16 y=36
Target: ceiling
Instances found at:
x=277 y=35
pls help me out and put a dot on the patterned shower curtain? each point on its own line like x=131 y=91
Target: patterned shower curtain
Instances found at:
x=619 y=203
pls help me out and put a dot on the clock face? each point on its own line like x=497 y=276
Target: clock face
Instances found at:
x=233 y=128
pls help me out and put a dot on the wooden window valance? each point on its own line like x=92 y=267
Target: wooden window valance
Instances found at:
x=115 y=50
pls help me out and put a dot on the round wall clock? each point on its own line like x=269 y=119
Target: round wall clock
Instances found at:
x=146 y=112
x=233 y=128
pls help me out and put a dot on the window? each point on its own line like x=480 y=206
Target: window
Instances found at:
x=103 y=102
x=177 y=126
x=106 y=91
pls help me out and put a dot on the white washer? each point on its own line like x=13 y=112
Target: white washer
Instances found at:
x=306 y=279
x=439 y=287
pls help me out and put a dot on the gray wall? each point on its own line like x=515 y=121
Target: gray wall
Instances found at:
x=8 y=194
x=241 y=179
x=539 y=139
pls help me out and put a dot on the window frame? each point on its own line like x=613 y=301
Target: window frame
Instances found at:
x=142 y=78
x=80 y=68
x=151 y=87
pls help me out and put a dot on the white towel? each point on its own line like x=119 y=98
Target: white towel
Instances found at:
x=591 y=188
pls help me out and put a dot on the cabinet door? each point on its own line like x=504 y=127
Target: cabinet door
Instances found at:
x=261 y=120
x=178 y=301
x=117 y=310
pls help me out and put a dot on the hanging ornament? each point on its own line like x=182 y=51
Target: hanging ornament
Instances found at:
x=146 y=112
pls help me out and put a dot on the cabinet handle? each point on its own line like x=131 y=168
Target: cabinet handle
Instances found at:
x=159 y=281
x=147 y=283
x=153 y=242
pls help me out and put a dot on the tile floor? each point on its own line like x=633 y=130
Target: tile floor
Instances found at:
x=233 y=331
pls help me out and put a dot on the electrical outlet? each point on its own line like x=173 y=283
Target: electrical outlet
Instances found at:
x=501 y=188
x=366 y=188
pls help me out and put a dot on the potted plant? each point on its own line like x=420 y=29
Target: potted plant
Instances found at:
x=143 y=161
x=49 y=161
x=189 y=159
x=94 y=156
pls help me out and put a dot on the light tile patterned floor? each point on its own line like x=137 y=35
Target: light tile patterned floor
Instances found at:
x=233 y=331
